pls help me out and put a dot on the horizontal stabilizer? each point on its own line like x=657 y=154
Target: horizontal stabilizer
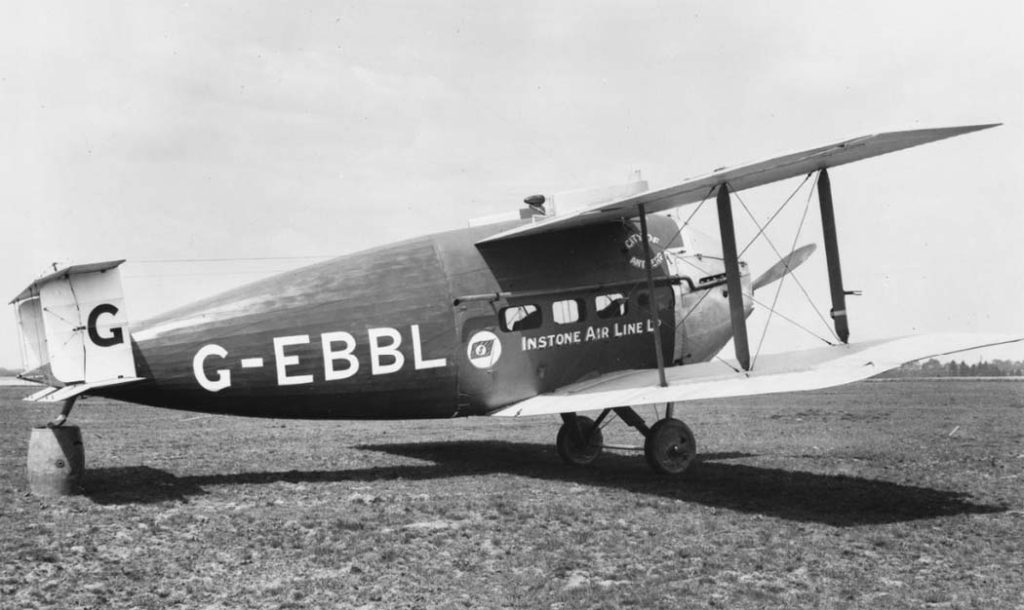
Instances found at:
x=70 y=391
x=33 y=289
x=773 y=373
x=741 y=177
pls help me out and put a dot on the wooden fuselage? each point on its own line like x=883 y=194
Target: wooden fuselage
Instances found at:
x=407 y=330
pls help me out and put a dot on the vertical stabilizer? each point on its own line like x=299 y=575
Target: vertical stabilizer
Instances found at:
x=73 y=325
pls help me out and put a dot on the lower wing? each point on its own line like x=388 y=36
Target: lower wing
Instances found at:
x=786 y=372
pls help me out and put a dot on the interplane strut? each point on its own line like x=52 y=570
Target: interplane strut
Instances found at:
x=652 y=303
x=732 y=274
x=835 y=272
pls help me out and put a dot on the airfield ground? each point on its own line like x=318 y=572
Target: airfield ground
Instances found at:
x=874 y=495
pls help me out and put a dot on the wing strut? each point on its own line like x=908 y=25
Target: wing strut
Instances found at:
x=835 y=273
x=652 y=303
x=732 y=275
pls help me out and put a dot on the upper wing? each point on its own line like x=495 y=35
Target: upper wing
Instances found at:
x=742 y=177
x=789 y=372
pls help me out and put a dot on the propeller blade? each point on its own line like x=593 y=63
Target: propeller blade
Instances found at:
x=790 y=262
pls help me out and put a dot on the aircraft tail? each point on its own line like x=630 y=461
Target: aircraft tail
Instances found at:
x=74 y=329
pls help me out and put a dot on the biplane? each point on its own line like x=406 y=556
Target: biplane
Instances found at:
x=591 y=301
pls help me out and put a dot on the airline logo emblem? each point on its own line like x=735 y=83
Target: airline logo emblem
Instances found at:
x=484 y=349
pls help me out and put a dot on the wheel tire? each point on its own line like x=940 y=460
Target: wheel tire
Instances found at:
x=571 y=450
x=670 y=447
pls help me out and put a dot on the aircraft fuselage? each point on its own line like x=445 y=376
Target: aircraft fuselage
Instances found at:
x=432 y=327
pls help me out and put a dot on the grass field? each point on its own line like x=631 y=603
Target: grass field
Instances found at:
x=874 y=495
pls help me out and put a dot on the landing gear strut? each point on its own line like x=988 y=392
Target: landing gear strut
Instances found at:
x=64 y=412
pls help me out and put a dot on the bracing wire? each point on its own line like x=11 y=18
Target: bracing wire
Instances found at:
x=796 y=238
x=205 y=274
x=228 y=259
x=78 y=309
x=663 y=249
x=726 y=363
x=768 y=322
x=778 y=289
x=793 y=322
x=60 y=317
x=803 y=218
x=224 y=259
x=772 y=244
x=773 y=216
x=762 y=232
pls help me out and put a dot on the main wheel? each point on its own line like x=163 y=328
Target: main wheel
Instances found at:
x=579 y=449
x=670 y=447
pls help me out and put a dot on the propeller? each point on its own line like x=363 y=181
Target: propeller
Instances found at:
x=788 y=263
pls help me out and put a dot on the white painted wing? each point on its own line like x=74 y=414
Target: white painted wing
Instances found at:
x=788 y=372
x=742 y=177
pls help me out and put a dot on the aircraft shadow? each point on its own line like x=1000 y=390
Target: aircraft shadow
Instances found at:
x=800 y=496
x=137 y=485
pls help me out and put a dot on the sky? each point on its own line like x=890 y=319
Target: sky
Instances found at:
x=290 y=132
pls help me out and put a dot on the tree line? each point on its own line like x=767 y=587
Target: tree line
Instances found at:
x=934 y=368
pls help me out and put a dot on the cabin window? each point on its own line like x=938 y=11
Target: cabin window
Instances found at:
x=568 y=311
x=520 y=317
x=610 y=306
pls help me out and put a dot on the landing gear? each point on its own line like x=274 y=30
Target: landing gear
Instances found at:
x=670 y=447
x=64 y=412
x=579 y=440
